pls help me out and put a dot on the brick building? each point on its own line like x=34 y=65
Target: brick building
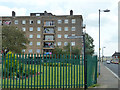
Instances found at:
x=45 y=30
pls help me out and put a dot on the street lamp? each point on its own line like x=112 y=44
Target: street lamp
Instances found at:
x=99 y=34
x=102 y=53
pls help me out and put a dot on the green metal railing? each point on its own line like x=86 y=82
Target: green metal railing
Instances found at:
x=42 y=71
x=91 y=70
x=47 y=71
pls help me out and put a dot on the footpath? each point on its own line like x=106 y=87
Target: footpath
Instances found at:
x=107 y=79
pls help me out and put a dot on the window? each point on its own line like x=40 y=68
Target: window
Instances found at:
x=38 y=35
x=73 y=34
x=23 y=50
x=59 y=21
x=66 y=21
x=65 y=43
x=38 y=28
x=38 y=21
x=59 y=35
x=73 y=43
x=31 y=21
x=73 y=29
x=31 y=36
x=38 y=50
x=59 y=29
x=31 y=29
x=30 y=43
x=37 y=14
x=16 y=22
x=66 y=35
x=38 y=43
x=23 y=22
x=73 y=20
x=23 y=28
x=59 y=43
x=30 y=50
x=65 y=28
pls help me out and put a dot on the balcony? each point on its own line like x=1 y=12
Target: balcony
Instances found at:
x=48 y=45
x=48 y=31
x=5 y=22
x=48 y=38
x=49 y=24
x=47 y=51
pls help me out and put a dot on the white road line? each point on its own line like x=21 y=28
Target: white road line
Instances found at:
x=113 y=73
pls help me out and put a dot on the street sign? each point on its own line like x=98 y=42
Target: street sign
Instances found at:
x=74 y=37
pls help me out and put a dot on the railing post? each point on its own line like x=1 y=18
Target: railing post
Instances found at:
x=96 y=62
x=85 y=66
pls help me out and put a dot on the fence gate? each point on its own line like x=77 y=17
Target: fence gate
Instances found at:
x=42 y=71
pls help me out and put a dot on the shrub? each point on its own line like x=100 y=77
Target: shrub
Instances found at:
x=12 y=64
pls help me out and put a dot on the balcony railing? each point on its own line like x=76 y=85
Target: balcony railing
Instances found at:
x=48 y=40
x=48 y=32
x=46 y=46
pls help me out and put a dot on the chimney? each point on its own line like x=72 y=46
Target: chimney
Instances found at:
x=13 y=14
x=71 y=12
x=45 y=13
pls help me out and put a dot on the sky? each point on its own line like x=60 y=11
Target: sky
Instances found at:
x=87 y=8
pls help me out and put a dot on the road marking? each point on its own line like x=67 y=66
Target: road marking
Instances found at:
x=113 y=73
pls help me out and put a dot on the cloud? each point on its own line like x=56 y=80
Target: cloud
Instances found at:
x=87 y=8
x=6 y=11
x=108 y=31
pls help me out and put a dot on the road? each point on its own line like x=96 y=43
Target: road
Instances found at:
x=113 y=67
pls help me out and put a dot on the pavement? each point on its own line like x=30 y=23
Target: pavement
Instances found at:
x=107 y=79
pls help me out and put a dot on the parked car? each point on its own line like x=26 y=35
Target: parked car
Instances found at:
x=108 y=61
x=115 y=61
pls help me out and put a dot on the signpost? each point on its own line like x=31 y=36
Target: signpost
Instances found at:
x=85 y=62
x=73 y=37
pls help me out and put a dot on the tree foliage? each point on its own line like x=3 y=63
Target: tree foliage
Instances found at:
x=13 y=39
x=66 y=50
x=89 y=44
x=57 y=50
x=76 y=50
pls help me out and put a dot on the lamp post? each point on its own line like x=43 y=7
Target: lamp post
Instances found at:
x=102 y=53
x=99 y=34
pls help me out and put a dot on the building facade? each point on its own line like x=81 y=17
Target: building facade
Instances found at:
x=45 y=30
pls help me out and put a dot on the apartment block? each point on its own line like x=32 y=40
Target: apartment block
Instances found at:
x=45 y=30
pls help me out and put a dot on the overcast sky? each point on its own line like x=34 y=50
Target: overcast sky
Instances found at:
x=87 y=8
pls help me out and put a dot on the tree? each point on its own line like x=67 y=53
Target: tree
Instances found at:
x=14 y=39
x=67 y=49
x=74 y=50
x=57 y=50
x=89 y=44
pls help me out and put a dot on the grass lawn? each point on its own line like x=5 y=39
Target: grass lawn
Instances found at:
x=49 y=77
